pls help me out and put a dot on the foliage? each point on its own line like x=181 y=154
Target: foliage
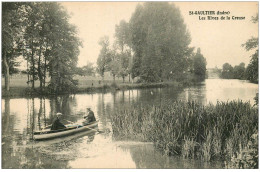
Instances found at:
x=227 y=71
x=42 y=34
x=88 y=70
x=114 y=64
x=189 y=128
x=199 y=65
x=256 y=99
x=123 y=49
x=12 y=24
x=236 y=72
x=122 y=35
x=104 y=56
x=239 y=71
x=159 y=40
x=247 y=157
x=252 y=68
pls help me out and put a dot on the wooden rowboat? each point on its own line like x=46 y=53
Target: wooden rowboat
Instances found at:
x=70 y=129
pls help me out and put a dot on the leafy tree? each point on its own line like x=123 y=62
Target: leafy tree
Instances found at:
x=55 y=44
x=12 y=24
x=124 y=64
x=122 y=35
x=227 y=71
x=160 y=41
x=199 y=65
x=252 y=68
x=239 y=71
x=114 y=64
x=123 y=41
x=104 y=56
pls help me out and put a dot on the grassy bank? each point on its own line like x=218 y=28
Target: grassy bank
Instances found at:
x=19 y=88
x=189 y=129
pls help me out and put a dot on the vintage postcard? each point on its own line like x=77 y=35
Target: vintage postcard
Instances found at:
x=129 y=85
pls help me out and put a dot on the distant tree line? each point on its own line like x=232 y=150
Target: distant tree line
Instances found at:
x=41 y=33
x=236 y=72
x=153 y=46
x=240 y=72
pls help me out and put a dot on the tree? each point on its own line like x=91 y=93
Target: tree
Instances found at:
x=199 y=65
x=252 y=68
x=104 y=56
x=12 y=25
x=114 y=64
x=159 y=40
x=53 y=45
x=124 y=64
x=123 y=41
x=122 y=35
x=239 y=71
x=227 y=71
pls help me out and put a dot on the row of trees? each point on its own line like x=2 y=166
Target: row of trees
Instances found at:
x=236 y=72
x=153 y=45
x=41 y=33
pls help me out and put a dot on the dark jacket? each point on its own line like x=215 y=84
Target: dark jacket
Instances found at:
x=57 y=125
x=90 y=117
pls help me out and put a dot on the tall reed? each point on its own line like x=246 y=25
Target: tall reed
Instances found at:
x=189 y=128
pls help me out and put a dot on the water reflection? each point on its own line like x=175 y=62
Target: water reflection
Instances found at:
x=20 y=117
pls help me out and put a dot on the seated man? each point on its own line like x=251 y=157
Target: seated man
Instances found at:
x=90 y=116
x=57 y=125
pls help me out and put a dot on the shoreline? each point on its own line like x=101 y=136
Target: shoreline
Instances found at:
x=20 y=92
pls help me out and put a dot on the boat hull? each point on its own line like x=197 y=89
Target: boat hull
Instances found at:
x=71 y=129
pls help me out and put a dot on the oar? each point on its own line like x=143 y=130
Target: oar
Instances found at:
x=88 y=127
x=95 y=129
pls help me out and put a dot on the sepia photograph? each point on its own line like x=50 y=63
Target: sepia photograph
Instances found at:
x=129 y=85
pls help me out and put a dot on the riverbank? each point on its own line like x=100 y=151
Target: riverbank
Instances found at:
x=16 y=92
x=191 y=130
x=89 y=86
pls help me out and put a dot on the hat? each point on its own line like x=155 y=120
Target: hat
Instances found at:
x=88 y=108
x=58 y=114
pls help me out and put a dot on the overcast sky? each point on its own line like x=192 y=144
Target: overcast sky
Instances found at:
x=220 y=41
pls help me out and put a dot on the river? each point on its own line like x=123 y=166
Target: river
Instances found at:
x=21 y=116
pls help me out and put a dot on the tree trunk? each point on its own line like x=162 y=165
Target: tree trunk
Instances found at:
x=7 y=74
x=28 y=75
x=44 y=73
x=123 y=79
x=114 y=78
x=39 y=68
x=33 y=67
x=129 y=77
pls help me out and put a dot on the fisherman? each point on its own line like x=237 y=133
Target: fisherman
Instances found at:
x=57 y=125
x=90 y=117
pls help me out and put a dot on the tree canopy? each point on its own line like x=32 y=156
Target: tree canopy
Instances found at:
x=41 y=32
x=160 y=41
x=252 y=44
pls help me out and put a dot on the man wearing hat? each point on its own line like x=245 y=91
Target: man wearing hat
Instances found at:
x=57 y=125
x=90 y=116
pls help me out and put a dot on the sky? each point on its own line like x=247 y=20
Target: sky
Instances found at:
x=219 y=40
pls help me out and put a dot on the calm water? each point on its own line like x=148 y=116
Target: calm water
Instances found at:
x=20 y=117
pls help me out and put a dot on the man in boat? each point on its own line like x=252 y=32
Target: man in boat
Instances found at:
x=57 y=125
x=90 y=117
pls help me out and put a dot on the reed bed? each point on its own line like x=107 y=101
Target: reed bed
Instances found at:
x=189 y=129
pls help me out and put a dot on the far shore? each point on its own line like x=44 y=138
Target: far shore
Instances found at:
x=19 y=88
